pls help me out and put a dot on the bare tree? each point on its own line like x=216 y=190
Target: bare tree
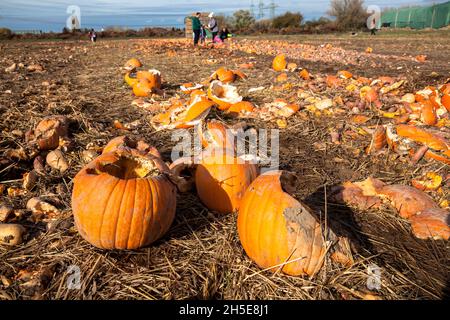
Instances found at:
x=349 y=14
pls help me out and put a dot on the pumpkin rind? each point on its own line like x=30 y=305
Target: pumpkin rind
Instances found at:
x=279 y=62
x=117 y=213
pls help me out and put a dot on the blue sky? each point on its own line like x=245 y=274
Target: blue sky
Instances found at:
x=51 y=15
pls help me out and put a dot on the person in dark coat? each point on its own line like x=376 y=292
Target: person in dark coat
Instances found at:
x=224 y=34
x=196 y=27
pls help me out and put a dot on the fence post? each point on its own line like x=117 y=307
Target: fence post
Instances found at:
x=409 y=17
x=432 y=17
x=396 y=16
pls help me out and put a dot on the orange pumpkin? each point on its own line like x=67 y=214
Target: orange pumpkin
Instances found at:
x=48 y=132
x=221 y=179
x=282 y=77
x=133 y=63
x=216 y=134
x=345 y=74
x=445 y=100
x=142 y=88
x=304 y=74
x=152 y=76
x=332 y=81
x=227 y=76
x=183 y=116
x=129 y=142
x=123 y=200
x=279 y=62
x=224 y=95
x=241 y=107
x=279 y=232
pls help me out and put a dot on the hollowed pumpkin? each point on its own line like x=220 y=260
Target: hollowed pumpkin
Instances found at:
x=224 y=95
x=123 y=200
x=221 y=180
x=216 y=134
x=278 y=232
x=152 y=76
x=48 y=132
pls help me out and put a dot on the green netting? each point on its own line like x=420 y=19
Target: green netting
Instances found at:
x=436 y=16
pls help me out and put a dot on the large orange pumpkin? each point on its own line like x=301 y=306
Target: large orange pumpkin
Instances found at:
x=221 y=179
x=281 y=233
x=123 y=200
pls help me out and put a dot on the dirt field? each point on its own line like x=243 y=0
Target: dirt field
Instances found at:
x=201 y=256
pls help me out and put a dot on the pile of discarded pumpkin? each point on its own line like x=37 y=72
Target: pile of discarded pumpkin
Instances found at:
x=126 y=197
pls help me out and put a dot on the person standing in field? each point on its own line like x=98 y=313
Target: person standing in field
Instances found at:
x=213 y=26
x=196 y=27
x=373 y=27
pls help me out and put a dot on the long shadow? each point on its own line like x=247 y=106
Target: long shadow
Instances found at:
x=340 y=219
x=421 y=260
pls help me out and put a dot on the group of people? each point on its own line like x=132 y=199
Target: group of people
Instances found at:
x=199 y=30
